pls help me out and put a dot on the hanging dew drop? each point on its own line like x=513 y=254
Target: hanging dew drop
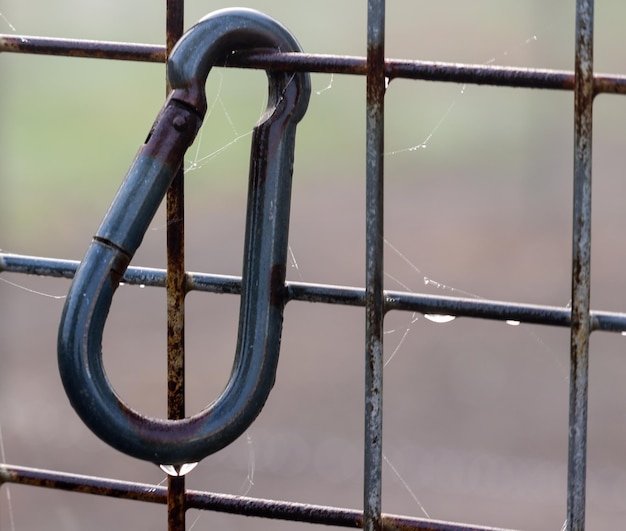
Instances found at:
x=178 y=470
x=439 y=318
x=170 y=470
x=512 y=322
x=142 y=286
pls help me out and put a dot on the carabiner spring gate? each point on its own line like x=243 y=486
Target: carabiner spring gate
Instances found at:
x=188 y=440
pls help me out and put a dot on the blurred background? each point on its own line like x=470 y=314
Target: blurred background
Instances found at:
x=475 y=412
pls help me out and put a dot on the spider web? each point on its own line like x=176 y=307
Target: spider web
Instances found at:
x=404 y=272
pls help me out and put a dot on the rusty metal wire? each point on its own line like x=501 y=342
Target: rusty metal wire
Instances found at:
x=174 y=285
x=495 y=75
x=225 y=503
x=580 y=318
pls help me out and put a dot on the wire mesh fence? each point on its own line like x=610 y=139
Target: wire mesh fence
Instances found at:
x=392 y=305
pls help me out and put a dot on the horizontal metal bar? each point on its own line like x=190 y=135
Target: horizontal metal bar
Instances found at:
x=124 y=51
x=505 y=76
x=226 y=503
x=330 y=294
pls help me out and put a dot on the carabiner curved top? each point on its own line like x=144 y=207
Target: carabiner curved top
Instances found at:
x=262 y=299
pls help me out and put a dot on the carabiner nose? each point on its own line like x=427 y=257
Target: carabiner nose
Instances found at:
x=265 y=253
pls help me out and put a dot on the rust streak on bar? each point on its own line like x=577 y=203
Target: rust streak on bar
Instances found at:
x=176 y=291
x=225 y=503
x=581 y=267
x=82 y=48
x=374 y=295
x=506 y=76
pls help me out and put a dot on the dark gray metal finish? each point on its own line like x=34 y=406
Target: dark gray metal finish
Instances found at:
x=262 y=292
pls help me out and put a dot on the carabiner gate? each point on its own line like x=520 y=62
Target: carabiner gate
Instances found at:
x=87 y=305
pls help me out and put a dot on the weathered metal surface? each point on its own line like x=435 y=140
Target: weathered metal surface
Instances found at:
x=175 y=289
x=124 y=51
x=477 y=74
x=175 y=281
x=342 y=295
x=374 y=266
x=225 y=503
x=581 y=267
x=503 y=76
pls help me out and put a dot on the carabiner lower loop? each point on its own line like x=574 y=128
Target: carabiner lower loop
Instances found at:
x=265 y=254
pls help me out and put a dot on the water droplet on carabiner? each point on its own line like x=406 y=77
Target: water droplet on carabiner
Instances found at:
x=438 y=318
x=178 y=470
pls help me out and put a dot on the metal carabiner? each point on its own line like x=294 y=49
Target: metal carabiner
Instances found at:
x=176 y=442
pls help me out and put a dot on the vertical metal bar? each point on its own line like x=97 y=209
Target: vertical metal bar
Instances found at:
x=175 y=282
x=581 y=267
x=175 y=286
x=374 y=307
